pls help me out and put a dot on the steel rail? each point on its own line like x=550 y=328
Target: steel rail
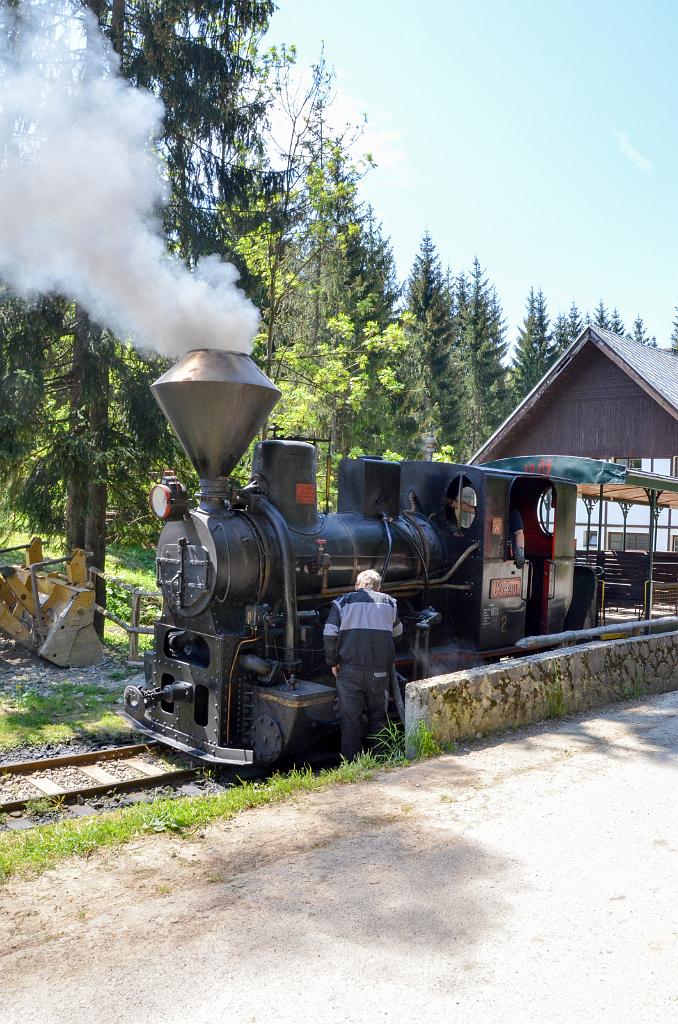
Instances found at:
x=65 y=760
x=121 y=754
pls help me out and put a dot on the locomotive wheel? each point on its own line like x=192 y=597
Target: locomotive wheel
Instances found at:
x=267 y=739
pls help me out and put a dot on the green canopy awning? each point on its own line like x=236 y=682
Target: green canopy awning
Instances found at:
x=595 y=478
x=567 y=467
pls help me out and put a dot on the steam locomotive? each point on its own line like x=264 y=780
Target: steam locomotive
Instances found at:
x=237 y=673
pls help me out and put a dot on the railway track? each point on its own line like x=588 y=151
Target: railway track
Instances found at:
x=79 y=777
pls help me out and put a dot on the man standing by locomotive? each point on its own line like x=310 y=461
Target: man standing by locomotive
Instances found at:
x=358 y=638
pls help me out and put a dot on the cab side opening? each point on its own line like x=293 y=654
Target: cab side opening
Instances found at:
x=535 y=502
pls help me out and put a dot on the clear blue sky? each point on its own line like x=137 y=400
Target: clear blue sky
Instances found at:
x=540 y=136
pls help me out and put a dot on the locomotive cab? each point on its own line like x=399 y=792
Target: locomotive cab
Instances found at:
x=491 y=602
x=547 y=510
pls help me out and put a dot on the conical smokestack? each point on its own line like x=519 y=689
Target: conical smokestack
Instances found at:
x=216 y=402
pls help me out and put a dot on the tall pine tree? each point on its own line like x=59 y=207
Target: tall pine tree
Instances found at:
x=483 y=347
x=640 y=335
x=601 y=317
x=434 y=357
x=674 y=333
x=535 y=349
x=616 y=323
x=567 y=328
x=575 y=322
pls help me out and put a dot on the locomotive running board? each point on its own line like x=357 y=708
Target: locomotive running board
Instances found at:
x=219 y=755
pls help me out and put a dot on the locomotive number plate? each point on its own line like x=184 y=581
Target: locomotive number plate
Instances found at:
x=511 y=587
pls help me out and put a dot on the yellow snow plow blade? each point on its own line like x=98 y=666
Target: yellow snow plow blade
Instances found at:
x=51 y=613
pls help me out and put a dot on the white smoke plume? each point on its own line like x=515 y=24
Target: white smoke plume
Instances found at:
x=80 y=189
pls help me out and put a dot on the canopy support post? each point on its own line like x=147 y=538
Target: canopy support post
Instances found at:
x=600 y=520
x=625 y=507
x=653 y=501
x=588 y=504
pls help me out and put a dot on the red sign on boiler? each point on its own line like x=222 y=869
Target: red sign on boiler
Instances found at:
x=305 y=494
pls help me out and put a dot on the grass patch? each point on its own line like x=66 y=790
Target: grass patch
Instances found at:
x=424 y=744
x=37 y=849
x=639 y=688
x=395 y=747
x=52 y=547
x=133 y=565
x=389 y=744
x=71 y=710
x=44 y=805
x=136 y=566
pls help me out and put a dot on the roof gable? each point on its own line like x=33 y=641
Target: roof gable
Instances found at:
x=655 y=371
x=656 y=368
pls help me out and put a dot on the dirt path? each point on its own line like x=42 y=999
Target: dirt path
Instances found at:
x=529 y=880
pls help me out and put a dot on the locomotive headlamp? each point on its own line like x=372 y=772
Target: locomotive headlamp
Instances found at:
x=160 y=500
x=169 y=497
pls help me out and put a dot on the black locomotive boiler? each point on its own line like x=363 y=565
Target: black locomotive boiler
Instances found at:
x=237 y=673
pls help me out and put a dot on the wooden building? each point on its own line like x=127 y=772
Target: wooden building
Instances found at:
x=606 y=397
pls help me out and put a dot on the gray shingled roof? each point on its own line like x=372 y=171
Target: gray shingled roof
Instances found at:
x=657 y=366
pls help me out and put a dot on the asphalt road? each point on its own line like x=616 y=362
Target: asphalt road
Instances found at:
x=529 y=880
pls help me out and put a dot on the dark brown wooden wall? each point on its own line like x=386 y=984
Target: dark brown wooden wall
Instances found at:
x=592 y=409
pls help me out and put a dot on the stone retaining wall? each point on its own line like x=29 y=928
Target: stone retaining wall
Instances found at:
x=514 y=693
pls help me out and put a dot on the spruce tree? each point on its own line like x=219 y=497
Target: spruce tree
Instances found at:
x=616 y=323
x=640 y=335
x=567 y=328
x=561 y=333
x=601 y=317
x=483 y=347
x=535 y=349
x=201 y=58
x=429 y=302
x=674 y=333
x=575 y=322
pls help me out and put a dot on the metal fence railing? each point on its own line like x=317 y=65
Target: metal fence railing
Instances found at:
x=133 y=628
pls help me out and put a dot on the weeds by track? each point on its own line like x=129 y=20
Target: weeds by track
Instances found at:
x=83 y=776
x=39 y=848
x=43 y=845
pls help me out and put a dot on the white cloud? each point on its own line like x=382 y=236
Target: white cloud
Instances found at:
x=379 y=135
x=631 y=153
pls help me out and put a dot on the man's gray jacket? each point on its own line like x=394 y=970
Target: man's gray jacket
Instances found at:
x=360 y=629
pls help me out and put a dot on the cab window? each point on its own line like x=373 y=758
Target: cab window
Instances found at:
x=461 y=503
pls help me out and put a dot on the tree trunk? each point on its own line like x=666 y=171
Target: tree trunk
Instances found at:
x=118 y=25
x=76 y=478
x=86 y=487
x=97 y=487
x=95 y=389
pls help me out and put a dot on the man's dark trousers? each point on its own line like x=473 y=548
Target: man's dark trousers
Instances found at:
x=357 y=690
